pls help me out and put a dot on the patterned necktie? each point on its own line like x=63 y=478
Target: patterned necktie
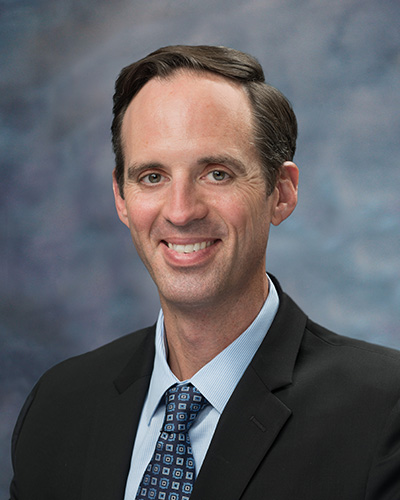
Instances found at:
x=170 y=474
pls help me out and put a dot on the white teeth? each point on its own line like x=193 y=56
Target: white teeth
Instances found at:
x=190 y=248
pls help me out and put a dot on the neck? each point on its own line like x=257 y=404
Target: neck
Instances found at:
x=195 y=335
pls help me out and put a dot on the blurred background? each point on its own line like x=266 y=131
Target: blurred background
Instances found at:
x=70 y=278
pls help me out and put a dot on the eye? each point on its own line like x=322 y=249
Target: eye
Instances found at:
x=218 y=175
x=153 y=178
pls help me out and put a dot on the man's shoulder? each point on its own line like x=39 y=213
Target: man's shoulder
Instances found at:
x=301 y=351
x=103 y=363
x=351 y=358
x=357 y=346
x=320 y=342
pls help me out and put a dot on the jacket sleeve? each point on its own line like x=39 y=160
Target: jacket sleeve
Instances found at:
x=14 y=442
x=384 y=477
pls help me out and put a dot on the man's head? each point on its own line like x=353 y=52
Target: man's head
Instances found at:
x=274 y=123
x=194 y=193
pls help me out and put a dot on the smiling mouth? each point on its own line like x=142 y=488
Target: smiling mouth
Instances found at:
x=194 y=247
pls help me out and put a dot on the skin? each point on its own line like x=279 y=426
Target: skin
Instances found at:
x=193 y=177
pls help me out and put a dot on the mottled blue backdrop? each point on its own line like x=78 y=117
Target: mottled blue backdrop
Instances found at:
x=70 y=279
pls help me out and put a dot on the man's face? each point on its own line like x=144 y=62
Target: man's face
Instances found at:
x=194 y=194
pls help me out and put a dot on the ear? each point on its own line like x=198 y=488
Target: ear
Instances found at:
x=120 y=204
x=285 y=192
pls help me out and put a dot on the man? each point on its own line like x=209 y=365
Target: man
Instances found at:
x=280 y=407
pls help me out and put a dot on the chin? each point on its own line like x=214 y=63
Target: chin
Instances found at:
x=191 y=293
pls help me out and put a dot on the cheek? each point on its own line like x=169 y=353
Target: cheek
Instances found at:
x=141 y=214
x=250 y=210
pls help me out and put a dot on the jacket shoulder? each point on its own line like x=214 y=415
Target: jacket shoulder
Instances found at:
x=360 y=347
x=353 y=360
x=103 y=363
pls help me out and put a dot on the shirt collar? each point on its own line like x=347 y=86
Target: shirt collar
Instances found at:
x=228 y=367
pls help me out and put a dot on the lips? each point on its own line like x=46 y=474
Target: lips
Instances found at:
x=190 y=248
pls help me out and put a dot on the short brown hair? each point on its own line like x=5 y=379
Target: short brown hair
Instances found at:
x=275 y=124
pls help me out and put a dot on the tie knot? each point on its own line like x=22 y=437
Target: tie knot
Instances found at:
x=183 y=404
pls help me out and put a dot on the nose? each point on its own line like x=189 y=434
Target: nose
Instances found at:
x=184 y=203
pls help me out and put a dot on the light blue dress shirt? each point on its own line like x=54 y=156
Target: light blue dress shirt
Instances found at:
x=216 y=381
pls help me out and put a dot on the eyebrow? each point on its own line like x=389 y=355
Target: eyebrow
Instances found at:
x=224 y=160
x=136 y=168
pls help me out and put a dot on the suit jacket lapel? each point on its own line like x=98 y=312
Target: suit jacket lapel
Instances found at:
x=254 y=415
x=115 y=426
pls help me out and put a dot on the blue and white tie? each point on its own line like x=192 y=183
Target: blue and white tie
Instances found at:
x=170 y=474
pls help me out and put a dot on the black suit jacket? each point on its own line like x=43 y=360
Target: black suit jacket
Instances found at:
x=316 y=416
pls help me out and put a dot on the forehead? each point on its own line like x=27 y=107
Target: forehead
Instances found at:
x=188 y=104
